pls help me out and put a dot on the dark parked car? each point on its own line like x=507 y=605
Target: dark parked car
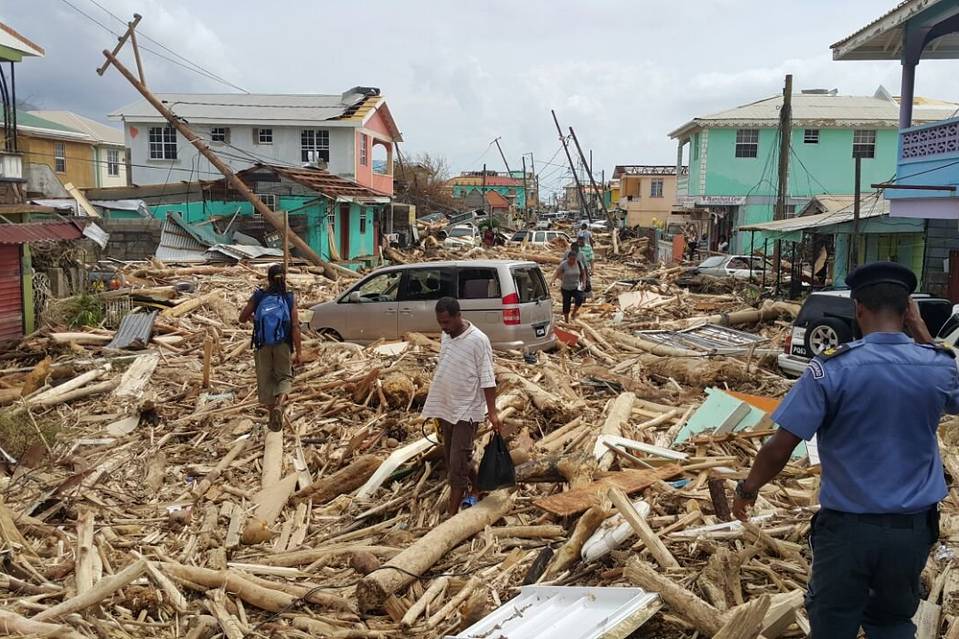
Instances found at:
x=828 y=319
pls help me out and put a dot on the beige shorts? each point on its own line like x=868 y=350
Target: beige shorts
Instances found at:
x=274 y=372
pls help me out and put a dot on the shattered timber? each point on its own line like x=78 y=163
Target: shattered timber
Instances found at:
x=144 y=496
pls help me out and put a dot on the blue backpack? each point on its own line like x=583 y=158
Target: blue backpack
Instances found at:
x=271 y=323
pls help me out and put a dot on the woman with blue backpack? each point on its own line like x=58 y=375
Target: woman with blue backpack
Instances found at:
x=276 y=338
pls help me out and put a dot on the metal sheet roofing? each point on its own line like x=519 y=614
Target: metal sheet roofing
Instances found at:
x=135 y=331
x=260 y=107
x=102 y=133
x=31 y=232
x=570 y=612
x=806 y=222
x=647 y=169
x=882 y=38
x=323 y=182
x=824 y=110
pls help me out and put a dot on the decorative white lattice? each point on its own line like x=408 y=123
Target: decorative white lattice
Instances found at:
x=933 y=140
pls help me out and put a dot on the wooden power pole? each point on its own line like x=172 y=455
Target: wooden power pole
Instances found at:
x=525 y=194
x=589 y=173
x=854 y=236
x=330 y=270
x=785 y=131
x=569 y=158
x=503 y=155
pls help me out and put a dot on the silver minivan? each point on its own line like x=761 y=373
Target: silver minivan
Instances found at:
x=507 y=299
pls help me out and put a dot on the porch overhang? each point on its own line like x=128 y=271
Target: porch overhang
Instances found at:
x=926 y=22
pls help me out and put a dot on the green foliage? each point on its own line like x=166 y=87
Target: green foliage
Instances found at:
x=84 y=309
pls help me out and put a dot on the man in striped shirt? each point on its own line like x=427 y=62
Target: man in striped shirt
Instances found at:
x=462 y=396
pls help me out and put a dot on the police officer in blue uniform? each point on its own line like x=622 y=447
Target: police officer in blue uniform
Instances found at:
x=875 y=406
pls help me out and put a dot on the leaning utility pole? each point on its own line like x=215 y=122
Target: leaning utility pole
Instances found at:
x=525 y=193
x=785 y=130
x=502 y=155
x=569 y=158
x=330 y=270
x=589 y=173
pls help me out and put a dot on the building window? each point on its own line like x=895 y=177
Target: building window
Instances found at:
x=262 y=136
x=113 y=162
x=696 y=147
x=162 y=143
x=315 y=145
x=222 y=134
x=864 y=144
x=59 y=157
x=363 y=224
x=656 y=188
x=810 y=136
x=747 y=143
x=364 y=149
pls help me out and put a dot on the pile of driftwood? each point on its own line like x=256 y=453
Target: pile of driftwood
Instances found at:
x=163 y=507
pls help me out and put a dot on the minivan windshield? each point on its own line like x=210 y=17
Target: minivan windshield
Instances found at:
x=529 y=282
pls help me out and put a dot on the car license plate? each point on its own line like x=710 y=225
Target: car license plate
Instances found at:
x=540 y=330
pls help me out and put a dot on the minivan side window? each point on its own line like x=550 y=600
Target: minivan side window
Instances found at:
x=381 y=288
x=529 y=282
x=427 y=284
x=478 y=284
x=540 y=236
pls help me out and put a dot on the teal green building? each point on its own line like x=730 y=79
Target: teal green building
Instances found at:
x=733 y=159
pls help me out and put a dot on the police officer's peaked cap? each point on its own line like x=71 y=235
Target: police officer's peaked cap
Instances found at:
x=881 y=273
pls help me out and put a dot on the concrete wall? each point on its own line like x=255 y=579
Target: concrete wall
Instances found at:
x=241 y=152
x=131 y=239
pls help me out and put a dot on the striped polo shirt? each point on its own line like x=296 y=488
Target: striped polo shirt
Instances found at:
x=464 y=369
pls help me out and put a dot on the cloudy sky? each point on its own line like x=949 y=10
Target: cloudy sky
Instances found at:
x=622 y=73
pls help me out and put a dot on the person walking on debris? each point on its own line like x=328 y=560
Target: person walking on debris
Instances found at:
x=585 y=234
x=572 y=276
x=276 y=335
x=462 y=395
x=874 y=405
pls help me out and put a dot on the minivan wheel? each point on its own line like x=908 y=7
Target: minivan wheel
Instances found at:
x=826 y=333
x=330 y=334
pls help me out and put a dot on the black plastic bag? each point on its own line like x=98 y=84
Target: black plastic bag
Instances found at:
x=496 y=469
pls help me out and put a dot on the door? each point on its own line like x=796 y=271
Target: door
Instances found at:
x=420 y=289
x=481 y=298
x=368 y=311
x=11 y=293
x=344 y=231
x=535 y=306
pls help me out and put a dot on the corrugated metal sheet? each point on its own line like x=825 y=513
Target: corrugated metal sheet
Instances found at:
x=177 y=245
x=134 y=332
x=569 y=612
x=226 y=107
x=709 y=338
x=11 y=294
x=324 y=182
x=39 y=232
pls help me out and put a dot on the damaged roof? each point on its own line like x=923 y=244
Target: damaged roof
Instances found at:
x=31 y=232
x=882 y=39
x=323 y=182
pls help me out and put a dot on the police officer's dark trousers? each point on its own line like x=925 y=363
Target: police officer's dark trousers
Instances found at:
x=865 y=573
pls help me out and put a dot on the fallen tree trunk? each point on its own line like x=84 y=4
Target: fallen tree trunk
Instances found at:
x=13 y=624
x=701 y=615
x=342 y=481
x=556 y=468
x=373 y=590
x=619 y=413
x=698 y=371
x=103 y=589
x=251 y=593
x=569 y=552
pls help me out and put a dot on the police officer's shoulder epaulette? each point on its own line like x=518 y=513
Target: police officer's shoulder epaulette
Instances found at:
x=832 y=353
x=940 y=347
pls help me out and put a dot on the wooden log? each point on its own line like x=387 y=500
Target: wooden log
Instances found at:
x=619 y=413
x=207 y=358
x=201 y=627
x=136 y=377
x=272 y=458
x=698 y=613
x=85 y=550
x=103 y=589
x=222 y=465
x=373 y=590
x=555 y=468
x=436 y=589
x=781 y=613
x=52 y=395
x=746 y=620
x=81 y=339
x=80 y=393
x=190 y=305
x=717 y=493
x=231 y=581
x=569 y=552
x=579 y=499
x=543 y=531
x=13 y=624
x=443 y=613
x=343 y=481
x=269 y=504
x=655 y=545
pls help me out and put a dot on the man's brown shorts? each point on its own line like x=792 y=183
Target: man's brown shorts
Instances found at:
x=458 y=451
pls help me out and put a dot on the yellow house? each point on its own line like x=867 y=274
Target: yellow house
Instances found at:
x=647 y=192
x=67 y=152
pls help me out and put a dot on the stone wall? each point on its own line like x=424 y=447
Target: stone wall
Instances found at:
x=131 y=239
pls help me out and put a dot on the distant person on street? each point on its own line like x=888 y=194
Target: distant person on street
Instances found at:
x=462 y=396
x=692 y=241
x=276 y=336
x=489 y=238
x=572 y=276
x=874 y=405
x=723 y=244
x=585 y=234
x=586 y=250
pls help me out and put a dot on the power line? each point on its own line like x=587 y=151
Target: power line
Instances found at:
x=205 y=74
x=167 y=49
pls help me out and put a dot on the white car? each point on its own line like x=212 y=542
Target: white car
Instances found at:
x=539 y=237
x=736 y=266
x=462 y=236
